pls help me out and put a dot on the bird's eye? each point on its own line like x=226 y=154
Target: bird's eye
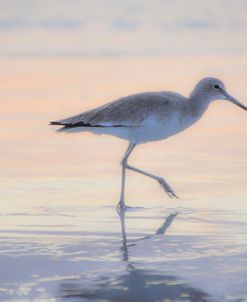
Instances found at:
x=217 y=87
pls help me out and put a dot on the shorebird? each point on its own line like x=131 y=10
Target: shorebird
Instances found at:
x=149 y=116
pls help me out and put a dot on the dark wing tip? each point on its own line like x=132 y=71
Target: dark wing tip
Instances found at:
x=69 y=125
x=80 y=124
x=55 y=123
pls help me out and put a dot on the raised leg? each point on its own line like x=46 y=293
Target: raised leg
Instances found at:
x=124 y=163
x=160 y=180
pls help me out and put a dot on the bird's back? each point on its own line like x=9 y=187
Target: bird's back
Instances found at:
x=129 y=111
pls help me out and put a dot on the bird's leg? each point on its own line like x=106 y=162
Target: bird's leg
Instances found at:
x=124 y=163
x=161 y=180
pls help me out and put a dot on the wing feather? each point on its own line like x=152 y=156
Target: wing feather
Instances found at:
x=128 y=111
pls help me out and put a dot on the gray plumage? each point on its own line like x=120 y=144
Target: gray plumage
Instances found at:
x=127 y=111
x=148 y=116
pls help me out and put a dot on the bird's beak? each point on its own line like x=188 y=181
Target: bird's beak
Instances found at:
x=233 y=100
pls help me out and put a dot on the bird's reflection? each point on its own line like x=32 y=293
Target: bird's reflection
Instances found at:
x=161 y=230
x=136 y=284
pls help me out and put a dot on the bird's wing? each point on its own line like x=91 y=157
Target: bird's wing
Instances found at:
x=128 y=111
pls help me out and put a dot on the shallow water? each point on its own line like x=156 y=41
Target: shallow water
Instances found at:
x=170 y=254
x=61 y=238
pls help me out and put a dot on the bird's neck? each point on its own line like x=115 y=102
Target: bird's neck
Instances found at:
x=197 y=105
x=201 y=96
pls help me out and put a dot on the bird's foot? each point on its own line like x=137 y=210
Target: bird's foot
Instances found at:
x=167 y=188
x=121 y=207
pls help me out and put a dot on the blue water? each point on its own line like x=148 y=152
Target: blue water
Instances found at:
x=90 y=254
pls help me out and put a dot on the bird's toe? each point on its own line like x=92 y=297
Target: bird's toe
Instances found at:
x=167 y=188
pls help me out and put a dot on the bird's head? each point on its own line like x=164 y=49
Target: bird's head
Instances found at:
x=213 y=89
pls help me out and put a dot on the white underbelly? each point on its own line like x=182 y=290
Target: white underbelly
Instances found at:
x=139 y=135
x=157 y=131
